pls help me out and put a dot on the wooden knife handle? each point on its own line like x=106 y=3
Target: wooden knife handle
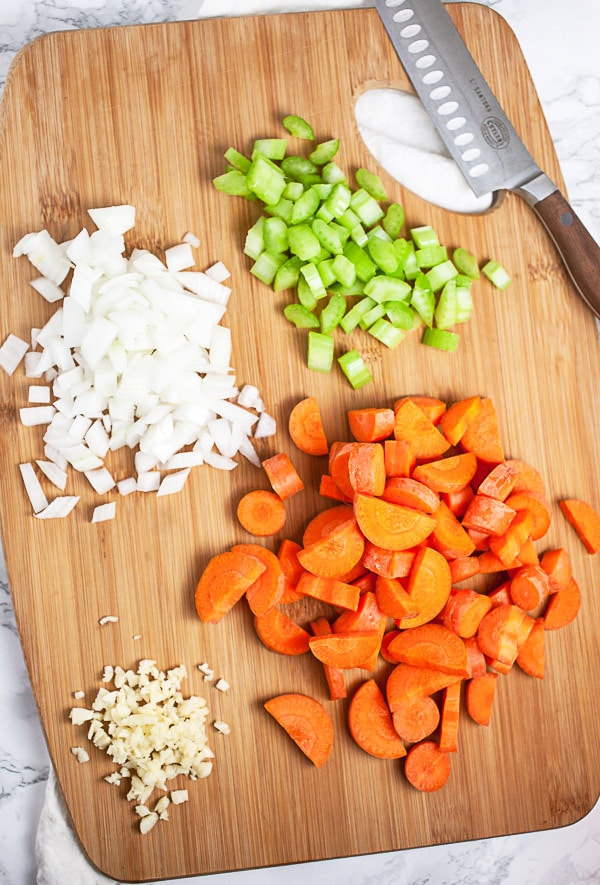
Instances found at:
x=578 y=249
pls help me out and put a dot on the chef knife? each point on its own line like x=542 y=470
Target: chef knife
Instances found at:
x=479 y=135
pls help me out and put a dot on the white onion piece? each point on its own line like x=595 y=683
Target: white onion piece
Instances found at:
x=47 y=289
x=104 y=512
x=39 y=394
x=59 y=507
x=265 y=427
x=173 y=483
x=127 y=486
x=179 y=257
x=148 y=482
x=115 y=219
x=218 y=272
x=54 y=473
x=45 y=254
x=12 y=352
x=192 y=239
x=33 y=487
x=101 y=480
x=35 y=415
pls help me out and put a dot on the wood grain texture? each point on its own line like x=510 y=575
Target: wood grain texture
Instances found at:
x=143 y=115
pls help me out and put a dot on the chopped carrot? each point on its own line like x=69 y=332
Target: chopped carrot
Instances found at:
x=329 y=489
x=416 y=718
x=585 y=520
x=500 y=481
x=291 y=568
x=500 y=634
x=409 y=492
x=539 y=508
x=334 y=555
x=563 y=606
x=432 y=407
x=281 y=634
x=366 y=468
x=333 y=675
x=431 y=645
x=345 y=650
x=387 y=563
x=268 y=588
x=479 y=697
x=488 y=515
x=501 y=594
x=528 y=555
x=324 y=521
x=458 y=501
x=508 y=547
x=529 y=586
x=457 y=418
x=464 y=611
x=223 y=582
x=482 y=435
x=529 y=479
x=532 y=656
x=370 y=723
x=387 y=638
x=368 y=616
x=371 y=424
x=462 y=568
x=393 y=599
x=448 y=536
x=391 y=526
x=283 y=476
x=412 y=424
x=449 y=718
x=306 y=427
x=428 y=586
x=447 y=474
x=476 y=664
x=427 y=768
x=339 y=455
x=261 y=512
x=399 y=457
x=406 y=682
x=490 y=563
x=557 y=565
x=480 y=538
x=306 y=721
x=329 y=590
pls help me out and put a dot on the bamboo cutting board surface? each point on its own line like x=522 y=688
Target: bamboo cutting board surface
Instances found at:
x=142 y=115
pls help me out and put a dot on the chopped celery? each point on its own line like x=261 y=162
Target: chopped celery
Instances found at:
x=366 y=207
x=393 y=220
x=332 y=313
x=275 y=234
x=376 y=313
x=423 y=299
x=496 y=274
x=344 y=271
x=424 y=236
x=372 y=184
x=233 y=183
x=441 y=339
x=400 y=314
x=298 y=127
x=365 y=268
x=313 y=279
x=326 y=273
x=359 y=235
x=265 y=180
x=300 y=316
x=266 y=266
x=339 y=199
x=255 y=242
x=332 y=174
x=429 y=256
x=357 y=288
x=324 y=152
x=439 y=274
x=282 y=209
x=383 y=254
x=446 y=308
x=385 y=332
x=287 y=274
x=322 y=189
x=327 y=236
x=382 y=288
x=320 y=352
x=303 y=242
x=273 y=148
x=306 y=296
x=407 y=259
x=354 y=368
x=305 y=206
x=349 y=219
x=300 y=169
x=352 y=319
x=237 y=160
x=464 y=304
x=342 y=232
x=293 y=191
x=466 y=263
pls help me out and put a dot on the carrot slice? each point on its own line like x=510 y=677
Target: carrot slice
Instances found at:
x=366 y=468
x=283 y=476
x=489 y=515
x=449 y=718
x=291 y=568
x=371 y=424
x=412 y=424
x=306 y=427
x=585 y=520
x=393 y=599
x=500 y=481
x=539 y=508
x=328 y=488
x=333 y=675
x=387 y=563
x=479 y=697
x=409 y=492
x=482 y=435
x=416 y=718
x=557 y=565
x=339 y=456
x=333 y=555
x=306 y=721
x=431 y=645
x=406 y=682
x=529 y=479
x=532 y=656
x=463 y=567
x=391 y=526
x=399 y=457
x=529 y=586
x=261 y=512
x=370 y=723
x=324 y=521
x=457 y=418
x=281 y=634
x=500 y=634
x=433 y=407
x=465 y=610
x=223 y=582
x=447 y=474
x=508 y=547
x=345 y=650
x=458 y=501
x=427 y=768
x=329 y=590
x=476 y=664
x=563 y=606
x=448 y=536
x=268 y=588
x=428 y=586
x=368 y=616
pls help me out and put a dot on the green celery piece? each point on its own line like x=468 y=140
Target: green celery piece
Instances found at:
x=407 y=259
x=272 y=148
x=372 y=316
x=237 y=160
x=305 y=206
x=322 y=189
x=383 y=254
x=462 y=280
x=324 y=214
x=306 y=296
x=300 y=169
x=266 y=266
x=372 y=184
x=439 y=275
x=348 y=220
x=423 y=299
x=275 y=234
x=383 y=288
x=233 y=183
x=444 y=315
x=324 y=152
x=313 y=279
x=282 y=209
x=265 y=180
x=368 y=209
x=303 y=242
x=496 y=274
x=464 y=304
x=441 y=339
x=293 y=191
x=332 y=174
x=365 y=267
x=393 y=220
x=327 y=236
x=332 y=313
x=342 y=232
x=287 y=274
x=400 y=314
x=424 y=236
x=378 y=231
x=298 y=127
x=352 y=319
x=320 y=352
x=339 y=199
x=325 y=268
x=466 y=263
x=359 y=235
x=429 y=256
x=357 y=288
x=344 y=271
x=255 y=242
x=354 y=368
x=300 y=316
x=385 y=332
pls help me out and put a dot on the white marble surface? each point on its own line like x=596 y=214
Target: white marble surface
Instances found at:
x=560 y=44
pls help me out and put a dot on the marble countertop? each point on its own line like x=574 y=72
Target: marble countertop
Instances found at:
x=559 y=42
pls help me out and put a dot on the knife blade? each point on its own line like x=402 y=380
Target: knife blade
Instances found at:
x=478 y=134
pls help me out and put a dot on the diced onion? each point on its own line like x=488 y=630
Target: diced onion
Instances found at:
x=12 y=352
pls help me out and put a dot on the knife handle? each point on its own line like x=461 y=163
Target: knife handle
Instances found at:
x=578 y=249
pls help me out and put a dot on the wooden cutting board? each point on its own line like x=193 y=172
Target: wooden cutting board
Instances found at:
x=142 y=115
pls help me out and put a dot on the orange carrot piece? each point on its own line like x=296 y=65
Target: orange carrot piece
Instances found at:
x=283 y=476
x=500 y=633
x=406 y=682
x=306 y=721
x=557 y=565
x=539 y=508
x=463 y=567
x=529 y=586
x=329 y=489
x=501 y=594
x=500 y=481
x=345 y=650
x=427 y=768
x=563 y=606
x=431 y=645
x=416 y=718
x=391 y=526
x=447 y=474
x=387 y=563
x=281 y=634
x=489 y=515
x=334 y=555
x=532 y=655
x=329 y=590
x=464 y=611
x=393 y=599
x=480 y=539
x=324 y=521
x=479 y=697
x=333 y=675
x=490 y=563
x=585 y=520
x=267 y=590
x=507 y=547
x=409 y=492
x=528 y=555
x=368 y=616
x=529 y=479
x=431 y=406
x=366 y=468
x=370 y=723
x=482 y=435
x=223 y=582
x=387 y=638
x=371 y=424
x=476 y=664
x=449 y=537
x=306 y=427
x=261 y=512
x=412 y=424
x=457 y=418
x=339 y=455
x=291 y=568
x=449 y=718
x=399 y=457
x=428 y=586
x=458 y=501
